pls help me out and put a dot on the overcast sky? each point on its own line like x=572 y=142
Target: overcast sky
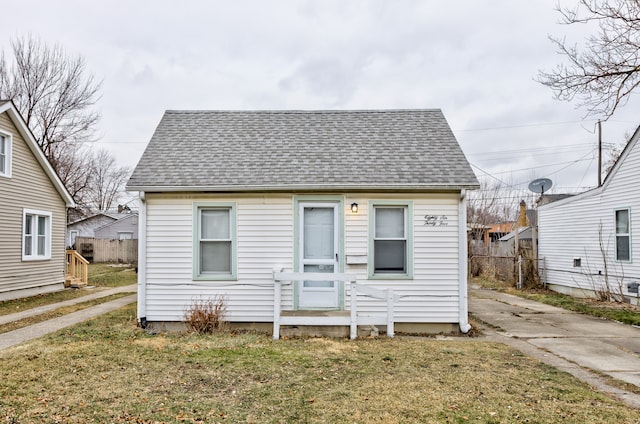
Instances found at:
x=474 y=59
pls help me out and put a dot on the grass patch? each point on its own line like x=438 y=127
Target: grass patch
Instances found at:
x=111 y=275
x=107 y=370
x=620 y=312
x=100 y=275
x=14 y=325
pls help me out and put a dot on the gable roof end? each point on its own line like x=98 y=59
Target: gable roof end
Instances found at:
x=27 y=135
x=303 y=150
x=610 y=176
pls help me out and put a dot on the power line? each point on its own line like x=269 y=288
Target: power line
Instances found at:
x=534 y=149
x=520 y=126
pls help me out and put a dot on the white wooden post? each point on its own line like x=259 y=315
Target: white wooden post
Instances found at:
x=277 y=304
x=390 y=318
x=353 y=329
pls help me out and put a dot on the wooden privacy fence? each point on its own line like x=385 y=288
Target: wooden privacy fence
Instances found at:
x=104 y=250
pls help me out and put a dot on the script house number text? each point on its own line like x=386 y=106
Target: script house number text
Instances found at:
x=436 y=220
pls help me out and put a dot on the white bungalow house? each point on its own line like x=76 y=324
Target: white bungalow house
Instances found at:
x=240 y=203
x=591 y=242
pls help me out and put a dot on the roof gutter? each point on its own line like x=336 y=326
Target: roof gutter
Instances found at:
x=304 y=187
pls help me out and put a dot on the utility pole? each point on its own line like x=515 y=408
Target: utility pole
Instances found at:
x=599 y=153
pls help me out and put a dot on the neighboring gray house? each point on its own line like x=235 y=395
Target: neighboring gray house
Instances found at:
x=227 y=198
x=125 y=228
x=86 y=227
x=590 y=242
x=33 y=213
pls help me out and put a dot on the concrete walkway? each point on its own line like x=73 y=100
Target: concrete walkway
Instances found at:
x=22 y=335
x=584 y=346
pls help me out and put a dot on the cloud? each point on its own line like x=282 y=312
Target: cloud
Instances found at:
x=475 y=59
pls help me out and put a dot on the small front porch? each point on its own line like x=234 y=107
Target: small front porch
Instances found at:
x=354 y=320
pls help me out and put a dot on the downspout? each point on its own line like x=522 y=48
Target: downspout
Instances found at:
x=142 y=261
x=462 y=259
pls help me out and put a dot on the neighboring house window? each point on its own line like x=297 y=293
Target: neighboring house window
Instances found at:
x=390 y=243
x=36 y=235
x=125 y=235
x=5 y=155
x=623 y=235
x=215 y=250
x=73 y=235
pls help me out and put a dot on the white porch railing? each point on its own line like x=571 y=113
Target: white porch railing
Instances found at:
x=353 y=320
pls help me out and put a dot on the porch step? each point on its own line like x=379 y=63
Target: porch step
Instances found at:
x=327 y=331
x=315 y=313
x=74 y=283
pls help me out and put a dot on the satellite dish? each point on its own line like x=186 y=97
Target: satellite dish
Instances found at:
x=540 y=185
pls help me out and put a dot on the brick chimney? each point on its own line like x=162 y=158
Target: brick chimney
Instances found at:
x=522 y=218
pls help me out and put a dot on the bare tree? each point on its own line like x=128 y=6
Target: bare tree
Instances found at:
x=613 y=152
x=75 y=168
x=55 y=96
x=492 y=204
x=605 y=71
x=107 y=181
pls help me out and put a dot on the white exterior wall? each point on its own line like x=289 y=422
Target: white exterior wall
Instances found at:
x=571 y=228
x=265 y=239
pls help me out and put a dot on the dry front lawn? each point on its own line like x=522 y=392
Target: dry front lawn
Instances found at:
x=106 y=370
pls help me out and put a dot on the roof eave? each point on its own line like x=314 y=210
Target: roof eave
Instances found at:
x=306 y=187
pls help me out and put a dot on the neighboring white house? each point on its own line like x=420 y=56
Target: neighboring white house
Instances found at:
x=591 y=242
x=229 y=197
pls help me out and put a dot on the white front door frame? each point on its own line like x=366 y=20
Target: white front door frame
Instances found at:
x=313 y=294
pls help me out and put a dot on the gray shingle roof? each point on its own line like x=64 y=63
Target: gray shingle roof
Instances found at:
x=312 y=150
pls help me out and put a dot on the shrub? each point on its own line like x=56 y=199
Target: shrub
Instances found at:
x=206 y=316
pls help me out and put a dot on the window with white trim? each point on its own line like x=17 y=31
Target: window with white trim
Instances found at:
x=36 y=235
x=5 y=155
x=215 y=248
x=390 y=243
x=73 y=235
x=623 y=235
x=125 y=235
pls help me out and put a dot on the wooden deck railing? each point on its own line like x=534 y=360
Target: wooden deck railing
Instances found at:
x=353 y=320
x=77 y=270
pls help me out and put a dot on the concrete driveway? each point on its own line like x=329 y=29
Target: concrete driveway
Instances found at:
x=573 y=342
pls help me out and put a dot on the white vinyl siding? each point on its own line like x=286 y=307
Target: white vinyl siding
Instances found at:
x=265 y=241
x=584 y=228
x=5 y=154
x=36 y=235
x=264 y=234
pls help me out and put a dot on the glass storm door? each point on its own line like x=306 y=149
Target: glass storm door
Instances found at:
x=318 y=252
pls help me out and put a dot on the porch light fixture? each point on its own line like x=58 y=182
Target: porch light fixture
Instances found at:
x=354 y=207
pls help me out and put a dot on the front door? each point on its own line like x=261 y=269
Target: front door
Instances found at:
x=318 y=252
